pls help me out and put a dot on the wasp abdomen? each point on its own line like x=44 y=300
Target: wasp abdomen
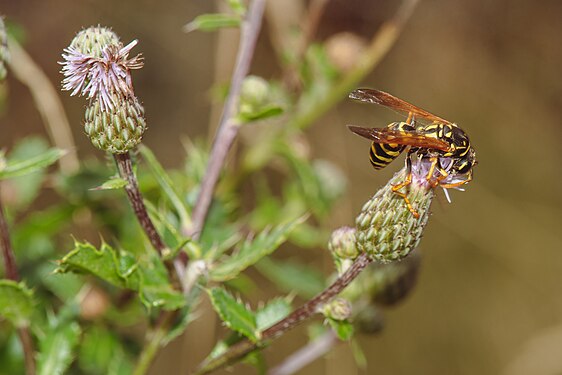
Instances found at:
x=382 y=154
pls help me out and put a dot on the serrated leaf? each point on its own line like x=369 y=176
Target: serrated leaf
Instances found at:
x=56 y=349
x=272 y=312
x=252 y=251
x=167 y=186
x=234 y=314
x=22 y=167
x=292 y=277
x=16 y=302
x=148 y=277
x=212 y=22
x=342 y=328
x=112 y=184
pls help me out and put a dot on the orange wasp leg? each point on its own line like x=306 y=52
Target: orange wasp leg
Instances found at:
x=457 y=184
x=403 y=184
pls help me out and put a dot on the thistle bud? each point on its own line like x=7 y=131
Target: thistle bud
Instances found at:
x=386 y=229
x=342 y=243
x=93 y=40
x=337 y=309
x=4 y=54
x=116 y=130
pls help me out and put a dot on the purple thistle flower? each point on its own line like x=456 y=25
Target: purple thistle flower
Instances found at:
x=106 y=77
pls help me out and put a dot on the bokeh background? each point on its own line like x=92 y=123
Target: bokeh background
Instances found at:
x=489 y=296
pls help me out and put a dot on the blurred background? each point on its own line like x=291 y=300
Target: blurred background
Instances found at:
x=488 y=298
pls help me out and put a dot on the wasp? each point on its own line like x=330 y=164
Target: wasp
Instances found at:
x=441 y=149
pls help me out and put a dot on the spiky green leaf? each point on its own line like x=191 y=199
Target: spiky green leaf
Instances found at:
x=16 y=302
x=147 y=276
x=234 y=314
x=252 y=251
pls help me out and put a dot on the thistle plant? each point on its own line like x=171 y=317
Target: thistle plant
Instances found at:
x=194 y=236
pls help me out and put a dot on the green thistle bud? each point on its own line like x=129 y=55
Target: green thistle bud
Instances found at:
x=386 y=229
x=337 y=309
x=342 y=243
x=93 y=40
x=4 y=53
x=118 y=129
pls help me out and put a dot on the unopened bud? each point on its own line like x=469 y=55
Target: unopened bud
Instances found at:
x=342 y=243
x=344 y=50
x=337 y=309
x=117 y=129
x=386 y=229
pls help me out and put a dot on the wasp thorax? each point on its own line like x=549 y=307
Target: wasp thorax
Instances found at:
x=386 y=228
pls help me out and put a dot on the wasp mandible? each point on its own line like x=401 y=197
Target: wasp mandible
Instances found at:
x=430 y=140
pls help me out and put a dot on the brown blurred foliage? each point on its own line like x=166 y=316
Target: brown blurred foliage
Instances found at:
x=488 y=295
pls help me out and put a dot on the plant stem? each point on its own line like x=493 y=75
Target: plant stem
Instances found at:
x=380 y=44
x=153 y=343
x=228 y=128
x=12 y=274
x=125 y=167
x=304 y=312
x=10 y=266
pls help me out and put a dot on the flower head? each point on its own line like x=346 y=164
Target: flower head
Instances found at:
x=97 y=66
x=97 y=70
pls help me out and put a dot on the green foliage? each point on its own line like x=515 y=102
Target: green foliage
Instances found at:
x=292 y=277
x=234 y=314
x=272 y=312
x=148 y=276
x=342 y=328
x=56 y=349
x=26 y=186
x=252 y=251
x=101 y=352
x=16 y=302
x=167 y=186
x=112 y=184
x=17 y=167
x=212 y=22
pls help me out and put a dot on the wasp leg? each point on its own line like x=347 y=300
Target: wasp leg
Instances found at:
x=405 y=183
x=457 y=184
x=434 y=165
x=411 y=118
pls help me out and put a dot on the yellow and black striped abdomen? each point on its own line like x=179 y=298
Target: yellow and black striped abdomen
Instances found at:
x=382 y=154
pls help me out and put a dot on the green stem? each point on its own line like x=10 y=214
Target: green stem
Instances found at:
x=153 y=343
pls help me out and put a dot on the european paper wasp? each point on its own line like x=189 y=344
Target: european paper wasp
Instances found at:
x=441 y=150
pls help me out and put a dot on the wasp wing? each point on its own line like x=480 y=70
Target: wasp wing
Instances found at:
x=406 y=138
x=392 y=102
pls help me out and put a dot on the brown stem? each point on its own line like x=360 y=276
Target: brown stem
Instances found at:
x=12 y=274
x=28 y=352
x=7 y=252
x=228 y=128
x=125 y=167
x=304 y=312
